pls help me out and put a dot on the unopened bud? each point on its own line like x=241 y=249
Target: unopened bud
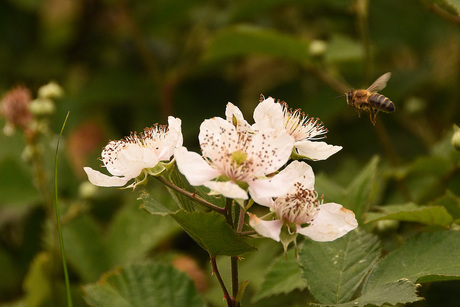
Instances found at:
x=50 y=91
x=317 y=47
x=42 y=107
x=456 y=137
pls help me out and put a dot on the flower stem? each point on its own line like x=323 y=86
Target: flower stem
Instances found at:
x=215 y=270
x=235 y=283
x=192 y=196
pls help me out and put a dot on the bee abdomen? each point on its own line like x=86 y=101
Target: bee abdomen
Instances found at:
x=381 y=102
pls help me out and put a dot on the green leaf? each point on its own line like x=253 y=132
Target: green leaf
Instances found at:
x=362 y=190
x=133 y=233
x=284 y=276
x=17 y=187
x=145 y=284
x=335 y=270
x=85 y=248
x=425 y=257
x=399 y=292
x=37 y=283
x=451 y=202
x=152 y=206
x=212 y=233
x=343 y=49
x=432 y=215
x=247 y=40
x=179 y=180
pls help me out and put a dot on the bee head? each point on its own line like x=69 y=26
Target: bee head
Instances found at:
x=349 y=96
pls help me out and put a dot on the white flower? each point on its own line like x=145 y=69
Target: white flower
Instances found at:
x=126 y=158
x=304 y=129
x=235 y=159
x=300 y=207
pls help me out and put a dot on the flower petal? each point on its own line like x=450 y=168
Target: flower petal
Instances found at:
x=216 y=137
x=276 y=186
x=227 y=188
x=101 y=180
x=269 y=229
x=269 y=115
x=233 y=111
x=333 y=221
x=316 y=150
x=282 y=183
x=194 y=167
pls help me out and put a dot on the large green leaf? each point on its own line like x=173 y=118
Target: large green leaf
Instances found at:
x=399 y=292
x=283 y=276
x=247 y=40
x=426 y=257
x=145 y=284
x=179 y=180
x=212 y=233
x=362 y=190
x=335 y=270
x=432 y=215
x=85 y=248
x=133 y=233
x=153 y=206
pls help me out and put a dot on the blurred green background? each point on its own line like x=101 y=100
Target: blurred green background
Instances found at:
x=126 y=65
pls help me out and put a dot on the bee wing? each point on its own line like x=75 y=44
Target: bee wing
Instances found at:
x=380 y=83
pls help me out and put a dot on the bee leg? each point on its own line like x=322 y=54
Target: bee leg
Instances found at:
x=373 y=114
x=359 y=112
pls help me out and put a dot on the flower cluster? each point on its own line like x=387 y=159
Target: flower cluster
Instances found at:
x=243 y=161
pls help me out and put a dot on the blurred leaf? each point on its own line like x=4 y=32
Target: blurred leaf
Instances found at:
x=362 y=190
x=16 y=185
x=283 y=276
x=427 y=257
x=451 y=202
x=343 y=49
x=430 y=164
x=37 y=283
x=152 y=206
x=430 y=215
x=133 y=233
x=249 y=40
x=146 y=284
x=399 y=292
x=212 y=233
x=333 y=192
x=85 y=249
x=335 y=270
x=179 y=180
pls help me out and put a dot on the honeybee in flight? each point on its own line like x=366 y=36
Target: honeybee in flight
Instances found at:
x=370 y=100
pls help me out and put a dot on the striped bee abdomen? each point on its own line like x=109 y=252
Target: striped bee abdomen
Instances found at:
x=381 y=102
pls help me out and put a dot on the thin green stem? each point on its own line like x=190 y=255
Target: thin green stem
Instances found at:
x=58 y=218
x=192 y=196
x=215 y=270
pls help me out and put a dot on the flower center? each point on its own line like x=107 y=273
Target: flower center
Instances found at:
x=301 y=126
x=299 y=207
x=238 y=157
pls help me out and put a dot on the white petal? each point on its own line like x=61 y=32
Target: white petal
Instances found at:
x=282 y=183
x=133 y=158
x=194 y=167
x=269 y=229
x=228 y=189
x=233 y=111
x=101 y=180
x=269 y=115
x=172 y=141
x=217 y=137
x=332 y=222
x=316 y=150
x=273 y=148
x=276 y=186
